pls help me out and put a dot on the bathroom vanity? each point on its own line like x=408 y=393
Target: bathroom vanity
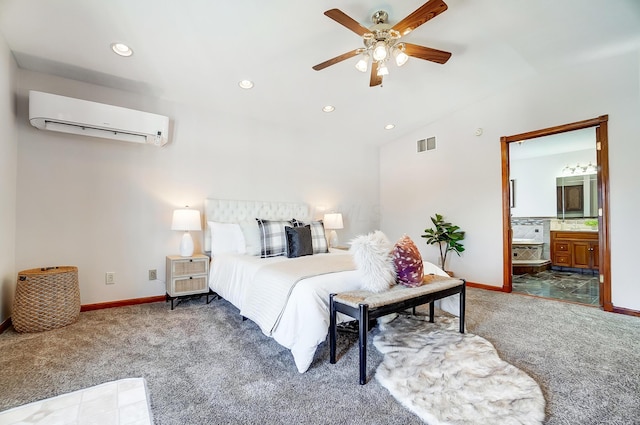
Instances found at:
x=575 y=249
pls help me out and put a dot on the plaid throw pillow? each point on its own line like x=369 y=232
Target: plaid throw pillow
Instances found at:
x=273 y=237
x=318 y=238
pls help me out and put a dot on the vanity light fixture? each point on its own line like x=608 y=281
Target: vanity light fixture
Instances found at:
x=121 y=49
x=246 y=84
x=328 y=108
x=579 y=169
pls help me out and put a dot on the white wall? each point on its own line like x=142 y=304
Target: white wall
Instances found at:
x=535 y=181
x=8 y=155
x=461 y=178
x=106 y=206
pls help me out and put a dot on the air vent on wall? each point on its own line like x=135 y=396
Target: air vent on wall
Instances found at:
x=426 y=144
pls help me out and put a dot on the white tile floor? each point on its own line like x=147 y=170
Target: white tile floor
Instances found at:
x=122 y=402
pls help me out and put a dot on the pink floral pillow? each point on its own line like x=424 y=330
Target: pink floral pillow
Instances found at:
x=408 y=262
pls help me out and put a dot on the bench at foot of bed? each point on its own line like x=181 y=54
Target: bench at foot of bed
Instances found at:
x=366 y=306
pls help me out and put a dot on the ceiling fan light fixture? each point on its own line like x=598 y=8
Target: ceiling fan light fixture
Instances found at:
x=400 y=56
x=380 y=51
x=363 y=63
x=382 y=69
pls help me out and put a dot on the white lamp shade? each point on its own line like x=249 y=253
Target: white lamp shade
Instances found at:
x=333 y=221
x=362 y=65
x=382 y=70
x=400 y=57
x=185 y=219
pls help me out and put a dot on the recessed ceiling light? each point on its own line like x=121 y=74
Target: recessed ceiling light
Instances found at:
x=246 y=84
x=121 y=49
x=389 y=126
x=328 y=108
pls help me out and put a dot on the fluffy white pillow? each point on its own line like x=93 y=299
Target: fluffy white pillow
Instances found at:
x=372 y=256
x=226 y=238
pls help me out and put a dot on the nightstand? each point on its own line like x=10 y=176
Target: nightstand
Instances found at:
x=187 y=277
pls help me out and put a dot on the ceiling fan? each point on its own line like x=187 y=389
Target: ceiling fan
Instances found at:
x=382 y=40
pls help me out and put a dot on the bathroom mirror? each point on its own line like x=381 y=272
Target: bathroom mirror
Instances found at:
x=577 y=196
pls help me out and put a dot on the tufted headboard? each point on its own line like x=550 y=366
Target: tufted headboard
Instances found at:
x=233 y=211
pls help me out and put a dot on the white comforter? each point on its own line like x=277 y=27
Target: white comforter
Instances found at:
x=305 y=319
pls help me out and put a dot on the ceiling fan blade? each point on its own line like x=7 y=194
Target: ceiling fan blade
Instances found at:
x=345 y=20
x=337 y=59
x=426 y=53
x=376 y=80
x=427 y=11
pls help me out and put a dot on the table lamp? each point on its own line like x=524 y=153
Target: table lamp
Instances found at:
x=186 y=220
x=332 y=222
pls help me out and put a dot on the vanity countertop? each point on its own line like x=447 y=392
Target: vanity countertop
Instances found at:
x=576 y=230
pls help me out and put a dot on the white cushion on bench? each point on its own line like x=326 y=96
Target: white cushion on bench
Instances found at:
x=397 y=293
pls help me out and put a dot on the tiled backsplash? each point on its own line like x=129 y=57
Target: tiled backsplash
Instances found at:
x=528 y=228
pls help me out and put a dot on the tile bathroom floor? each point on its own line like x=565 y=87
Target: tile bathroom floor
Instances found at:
x=569 y=286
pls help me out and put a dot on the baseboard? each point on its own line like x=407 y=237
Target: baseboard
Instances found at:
x=487 y=287
x=5 y=325
x=626 y=311
x=122 y=303
x=613 y=309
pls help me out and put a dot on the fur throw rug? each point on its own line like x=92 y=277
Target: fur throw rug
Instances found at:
x=446 y=377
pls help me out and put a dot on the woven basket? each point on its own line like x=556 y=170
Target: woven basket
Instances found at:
x=46 y=298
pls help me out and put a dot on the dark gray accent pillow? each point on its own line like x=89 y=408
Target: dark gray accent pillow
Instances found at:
x=299 y=241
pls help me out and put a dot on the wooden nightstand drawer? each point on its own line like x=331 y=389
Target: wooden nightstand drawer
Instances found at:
x=190 y=266
x=189 y=285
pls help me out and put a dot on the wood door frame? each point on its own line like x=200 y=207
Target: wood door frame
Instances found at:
x=602 y=154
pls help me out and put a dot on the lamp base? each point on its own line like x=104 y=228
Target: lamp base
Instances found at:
x=333 y=239
x=186 y=245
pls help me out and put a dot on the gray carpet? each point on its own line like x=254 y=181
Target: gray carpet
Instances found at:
x=204 y=365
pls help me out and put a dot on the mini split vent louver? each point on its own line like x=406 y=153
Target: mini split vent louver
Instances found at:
x=426 y=144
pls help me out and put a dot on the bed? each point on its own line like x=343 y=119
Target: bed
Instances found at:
x=302 y=320
x=288 y=298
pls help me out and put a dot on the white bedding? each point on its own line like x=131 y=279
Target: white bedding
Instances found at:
x=305 y=319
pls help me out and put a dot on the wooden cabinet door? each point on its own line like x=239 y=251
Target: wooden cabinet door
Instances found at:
x=581 y=255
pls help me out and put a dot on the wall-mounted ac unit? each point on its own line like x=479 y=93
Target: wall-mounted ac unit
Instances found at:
x=68 y=115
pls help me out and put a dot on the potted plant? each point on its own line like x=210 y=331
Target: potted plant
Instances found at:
x=447 y=236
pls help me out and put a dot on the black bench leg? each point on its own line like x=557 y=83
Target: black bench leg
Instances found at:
x=363 y=323
x=462 y=306
x=332 y=330
x=432 y=310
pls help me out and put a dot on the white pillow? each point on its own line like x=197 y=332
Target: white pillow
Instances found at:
x=251 y=234
x=226 y=238
x=372 y=256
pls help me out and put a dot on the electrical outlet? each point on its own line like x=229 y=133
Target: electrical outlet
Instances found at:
x=110 y=278
x=153 y=274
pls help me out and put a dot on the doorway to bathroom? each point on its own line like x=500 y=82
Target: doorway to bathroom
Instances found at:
x=555 y=213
